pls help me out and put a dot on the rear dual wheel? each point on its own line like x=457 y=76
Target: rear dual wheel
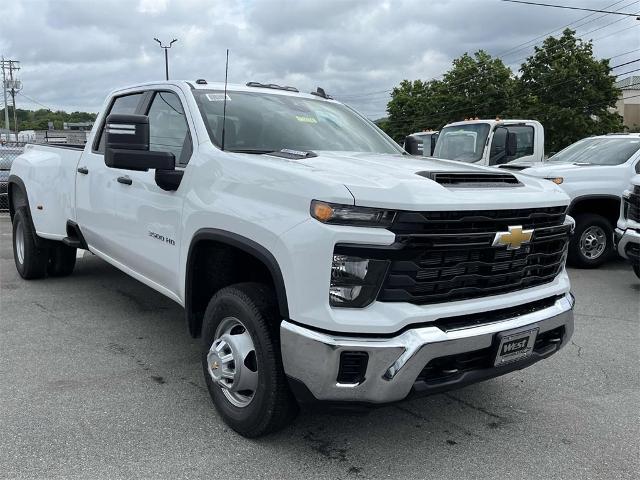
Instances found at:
x=32 y=261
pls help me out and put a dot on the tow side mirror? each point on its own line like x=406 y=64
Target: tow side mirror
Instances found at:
x=511 y=148
x=412 y=145
x=127 y=145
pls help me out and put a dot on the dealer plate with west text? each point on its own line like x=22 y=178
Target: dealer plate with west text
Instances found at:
x=515 y=346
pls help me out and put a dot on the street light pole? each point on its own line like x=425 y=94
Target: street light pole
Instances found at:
x=166 y=55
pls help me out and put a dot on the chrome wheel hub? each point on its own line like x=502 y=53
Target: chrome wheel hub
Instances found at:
x=20 y=244
x=232 y=362
x=593 y=242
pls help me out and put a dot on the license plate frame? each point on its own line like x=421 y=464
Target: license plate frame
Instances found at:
x=515 y=346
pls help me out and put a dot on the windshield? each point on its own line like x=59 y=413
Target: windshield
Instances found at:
x=464 y=142
x=262 y=122
x=598 y=151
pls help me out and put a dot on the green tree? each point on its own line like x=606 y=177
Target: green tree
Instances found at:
x=475 y=86
x=39 y=119
x=409 y=108
x=569 y=91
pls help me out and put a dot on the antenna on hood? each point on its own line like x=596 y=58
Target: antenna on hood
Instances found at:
x=224 y=104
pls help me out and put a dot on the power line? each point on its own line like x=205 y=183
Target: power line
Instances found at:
x=571 y=8
x=558 y=48
x=537 y=39
x=627 y=73
x=34 y=101
x=623 y=54
x=626 y=63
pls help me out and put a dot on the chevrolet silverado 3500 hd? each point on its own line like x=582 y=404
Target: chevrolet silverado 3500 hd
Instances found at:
x=315 y=258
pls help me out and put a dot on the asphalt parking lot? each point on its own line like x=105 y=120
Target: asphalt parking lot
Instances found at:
x=100 y=379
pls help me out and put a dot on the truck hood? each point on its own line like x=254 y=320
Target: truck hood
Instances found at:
x=550 y=170
x=399 y=182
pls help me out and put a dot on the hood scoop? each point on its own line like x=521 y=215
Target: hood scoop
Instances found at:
x=472 y=179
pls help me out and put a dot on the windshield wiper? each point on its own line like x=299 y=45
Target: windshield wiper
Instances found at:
x=284 y=153
x=255 y=151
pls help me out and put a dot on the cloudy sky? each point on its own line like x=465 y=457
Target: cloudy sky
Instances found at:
x=73 y=52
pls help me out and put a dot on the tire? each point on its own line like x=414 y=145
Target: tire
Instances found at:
x=636 y=270
x=62 y=260
x=267 y=404
x=592 y=242
x=31 y=261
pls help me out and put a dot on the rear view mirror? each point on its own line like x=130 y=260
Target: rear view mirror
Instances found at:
x=127 y=145
x=511 y=148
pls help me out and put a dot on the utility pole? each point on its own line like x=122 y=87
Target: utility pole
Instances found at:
x=166 y=55
x=6 y=104
x=14 y=86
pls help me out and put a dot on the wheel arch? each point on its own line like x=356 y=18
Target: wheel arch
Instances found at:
x=234 y=250
x=17 y=195
x=605 y=205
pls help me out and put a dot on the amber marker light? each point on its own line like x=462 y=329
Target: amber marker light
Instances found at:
x=321 y=211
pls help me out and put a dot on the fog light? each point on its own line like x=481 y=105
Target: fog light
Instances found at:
x=355 y=281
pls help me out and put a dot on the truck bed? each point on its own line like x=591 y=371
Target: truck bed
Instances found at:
x=50 y=171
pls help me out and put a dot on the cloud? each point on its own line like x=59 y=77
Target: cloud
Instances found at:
x=73 y=52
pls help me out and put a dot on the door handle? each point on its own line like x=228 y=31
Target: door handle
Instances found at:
x=125 y=180
x=83 y=170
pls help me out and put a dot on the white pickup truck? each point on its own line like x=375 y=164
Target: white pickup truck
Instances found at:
x=628 y=226
x=594 y=172
x=316 y=259
x=514 y=144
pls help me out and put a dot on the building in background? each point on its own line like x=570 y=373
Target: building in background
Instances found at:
x=628 y=104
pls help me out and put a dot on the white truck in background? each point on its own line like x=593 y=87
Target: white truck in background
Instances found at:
x=514 y=144
x=628 y=227
x=594 y=172
x=316 y=260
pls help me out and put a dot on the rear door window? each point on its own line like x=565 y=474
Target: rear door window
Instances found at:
x=122 y=104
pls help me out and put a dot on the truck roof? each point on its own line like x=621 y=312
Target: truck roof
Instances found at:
x=236 y=87
x=492 y=122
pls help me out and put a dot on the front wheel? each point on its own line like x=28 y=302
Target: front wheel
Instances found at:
x=241 y=360
x=592 y=241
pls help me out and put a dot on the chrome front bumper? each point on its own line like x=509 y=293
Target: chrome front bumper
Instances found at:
x=624 y=238
x=394 y=364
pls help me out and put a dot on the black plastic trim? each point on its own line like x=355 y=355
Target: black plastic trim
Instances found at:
x=73 y=231
x=15 y=180
x=582 y=198
x=248 y=246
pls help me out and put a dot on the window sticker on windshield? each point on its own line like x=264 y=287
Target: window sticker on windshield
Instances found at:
x=304 y=119
x=217 y=97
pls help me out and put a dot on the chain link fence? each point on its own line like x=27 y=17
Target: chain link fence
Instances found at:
x=8 y=152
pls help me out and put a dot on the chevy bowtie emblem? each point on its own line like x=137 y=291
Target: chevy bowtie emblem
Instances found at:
x=514 y=238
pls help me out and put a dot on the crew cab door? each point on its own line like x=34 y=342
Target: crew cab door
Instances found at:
x=147 y=227
x=96 y=184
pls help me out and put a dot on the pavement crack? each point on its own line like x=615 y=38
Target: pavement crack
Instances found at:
x=474 y=407
x=579 y=348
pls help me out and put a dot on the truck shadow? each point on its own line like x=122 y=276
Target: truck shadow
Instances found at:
x=145 y=329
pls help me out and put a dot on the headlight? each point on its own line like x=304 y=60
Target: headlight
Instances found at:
x=556 y=180
x=355 y=281
x=350 y=215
